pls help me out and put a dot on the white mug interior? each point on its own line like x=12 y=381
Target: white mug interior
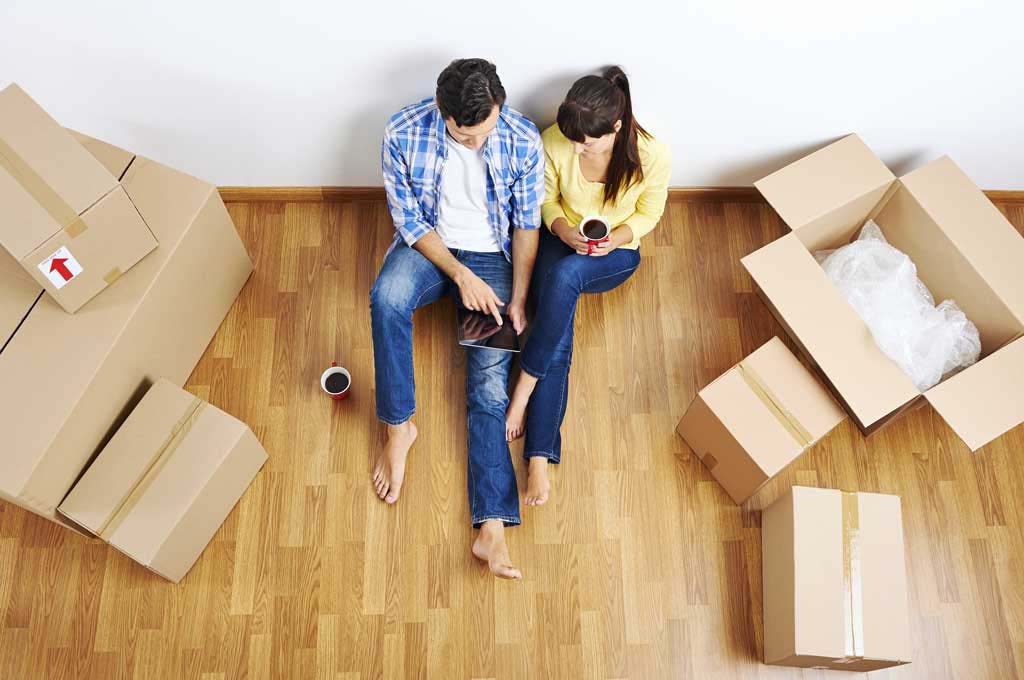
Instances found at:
x=331 y=371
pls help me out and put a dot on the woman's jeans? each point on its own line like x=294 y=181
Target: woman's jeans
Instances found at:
x=560 y=276
x=407 y=281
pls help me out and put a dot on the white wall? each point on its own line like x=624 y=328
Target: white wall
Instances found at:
x=297 y=93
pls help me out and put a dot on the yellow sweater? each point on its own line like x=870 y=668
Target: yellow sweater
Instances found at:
x=571 y=196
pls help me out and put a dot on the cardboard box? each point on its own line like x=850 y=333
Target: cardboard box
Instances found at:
x=167 y=480
x=834 y=581
x=65 y=218
x=756 y=419
x=964 y=249
x=67 y=381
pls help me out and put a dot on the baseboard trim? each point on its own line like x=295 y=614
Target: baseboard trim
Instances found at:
x=684 y=194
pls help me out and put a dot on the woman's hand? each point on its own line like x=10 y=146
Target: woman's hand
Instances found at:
x=570 y=236
x=620 y=236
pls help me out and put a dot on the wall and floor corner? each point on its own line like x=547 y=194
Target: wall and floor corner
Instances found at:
x=246 y=95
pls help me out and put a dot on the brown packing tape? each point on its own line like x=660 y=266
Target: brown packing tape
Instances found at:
x=36 y=186
x=76 y=228
x=113 y=275
x=709 y=461
x=177 y=435
x=785 y=418
x=853 y=597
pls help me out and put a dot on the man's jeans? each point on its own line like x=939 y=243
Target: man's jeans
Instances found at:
x=560 y=276
x=407 y=281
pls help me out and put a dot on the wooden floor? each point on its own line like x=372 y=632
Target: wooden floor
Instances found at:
x=641 y=567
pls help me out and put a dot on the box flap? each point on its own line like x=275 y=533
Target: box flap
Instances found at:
x=114 y=158
x=210 y=508
x=818 y=566
x=42 y=164
x=829 y=178
x=112 y=240
x=883 y=578
x=123 y=463
x=18 y=292
x=870 y=385
x=797 y=393
x=977 y=228
x=984 y=400
x=749 y=446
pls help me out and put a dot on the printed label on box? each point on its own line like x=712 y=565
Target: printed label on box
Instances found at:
x=60 y=268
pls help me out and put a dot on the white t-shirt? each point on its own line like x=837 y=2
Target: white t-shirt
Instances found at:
x=463 y=220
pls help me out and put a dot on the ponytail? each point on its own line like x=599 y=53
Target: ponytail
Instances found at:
x=591 y=109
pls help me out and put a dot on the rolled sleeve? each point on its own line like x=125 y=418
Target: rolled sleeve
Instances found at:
x=405 y=208
x=528 y=188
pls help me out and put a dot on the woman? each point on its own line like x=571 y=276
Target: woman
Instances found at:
x=599 y=162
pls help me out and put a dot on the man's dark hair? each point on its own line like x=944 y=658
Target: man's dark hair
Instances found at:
x=468 y=90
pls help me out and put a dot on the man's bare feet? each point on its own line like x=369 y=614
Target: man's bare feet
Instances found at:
x=490 y=547
x=389 y=466
x=538 y=486
x=515 y=417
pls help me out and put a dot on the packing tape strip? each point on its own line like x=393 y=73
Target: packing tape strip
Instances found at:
x=76 y=228
x=709 y=461
x=36 y=186
x=785 y=418
x=853 y=596
x=113 y=275
x=177 y=435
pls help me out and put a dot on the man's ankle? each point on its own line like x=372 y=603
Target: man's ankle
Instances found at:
x=492 y=529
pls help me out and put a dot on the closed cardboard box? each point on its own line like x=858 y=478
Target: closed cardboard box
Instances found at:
x=834 y=581
x=756 y=419
x=65 y=218
x=964 y=249
x=167 y=480
x=67 y=381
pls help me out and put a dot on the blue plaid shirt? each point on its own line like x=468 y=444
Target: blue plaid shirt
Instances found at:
x=413 y=155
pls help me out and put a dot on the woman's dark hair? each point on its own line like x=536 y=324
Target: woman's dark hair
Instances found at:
x=468 y=90
x=591 y=108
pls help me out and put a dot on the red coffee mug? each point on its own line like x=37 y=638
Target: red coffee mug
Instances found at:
x=605 y=230
x=335 y=369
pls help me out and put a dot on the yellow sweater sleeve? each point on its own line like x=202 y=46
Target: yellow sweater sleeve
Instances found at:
x=551 y=209
x=651 y=203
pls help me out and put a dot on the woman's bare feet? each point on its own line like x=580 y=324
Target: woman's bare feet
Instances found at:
x=389 y=466
x=538 y=486
x=490 y=547
x=515 y=417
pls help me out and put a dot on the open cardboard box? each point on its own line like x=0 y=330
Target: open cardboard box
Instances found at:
x=964 y=249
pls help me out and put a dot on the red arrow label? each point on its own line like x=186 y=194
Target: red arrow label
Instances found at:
x=57 y=265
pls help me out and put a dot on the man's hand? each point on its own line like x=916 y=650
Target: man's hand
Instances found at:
x=478 y=296
x=570 y=236
x=517 y=315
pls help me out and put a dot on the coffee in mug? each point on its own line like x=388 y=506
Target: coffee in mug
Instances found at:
x=336 y=381
x=596 y=230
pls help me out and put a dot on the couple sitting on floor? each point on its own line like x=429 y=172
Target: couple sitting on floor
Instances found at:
x=468 y=183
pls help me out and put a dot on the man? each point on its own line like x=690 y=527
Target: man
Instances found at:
x=464 y=176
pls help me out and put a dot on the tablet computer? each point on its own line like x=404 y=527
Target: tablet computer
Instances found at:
x=477 y=329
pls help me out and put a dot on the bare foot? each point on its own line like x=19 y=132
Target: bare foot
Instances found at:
x=515 y=417
x=389 y=466
x=538 y=486
x=490 y=547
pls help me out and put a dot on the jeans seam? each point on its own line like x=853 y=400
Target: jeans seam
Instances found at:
x=425 y=291
x=608 y=276
x=386 y=421
x=503 y=518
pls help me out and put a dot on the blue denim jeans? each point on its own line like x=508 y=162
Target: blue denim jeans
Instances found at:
x=406 y=282
x=560 y=276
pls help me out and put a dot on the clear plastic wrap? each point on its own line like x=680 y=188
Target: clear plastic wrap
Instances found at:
x=927 y=341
